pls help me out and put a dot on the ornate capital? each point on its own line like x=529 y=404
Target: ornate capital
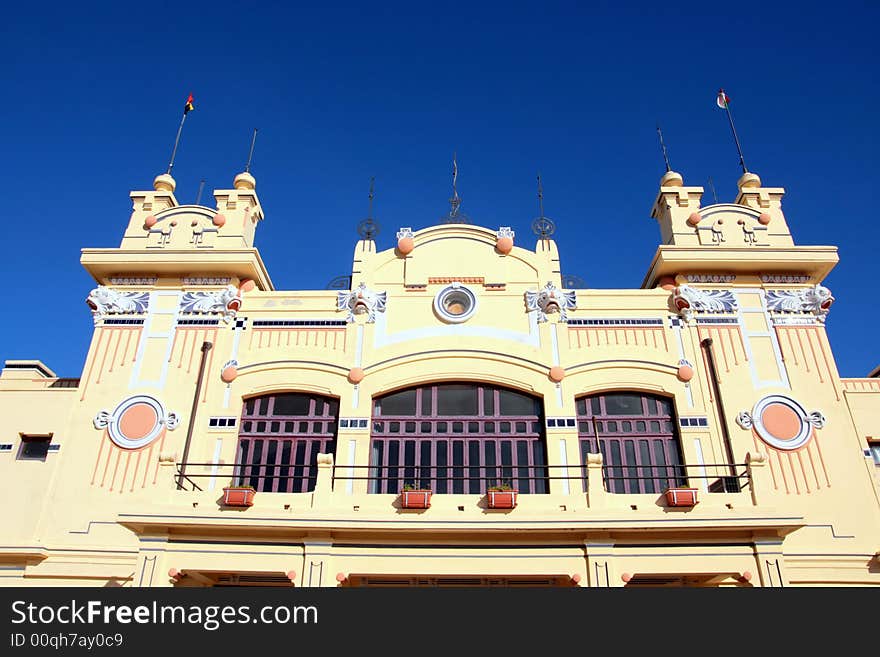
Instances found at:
x=816 y=300
x=226 y=302
x=688 y=299
x=107 y=301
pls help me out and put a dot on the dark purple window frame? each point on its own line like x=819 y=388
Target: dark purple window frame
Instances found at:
x=462 y=454
x=278 y=452
x=640 y=449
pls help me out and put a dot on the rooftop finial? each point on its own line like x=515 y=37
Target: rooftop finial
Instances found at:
x=369 y=227
x=455 y=216
x=542 y=226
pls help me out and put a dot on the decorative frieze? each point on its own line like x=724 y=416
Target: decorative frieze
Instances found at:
x=688 y=300
x=549 y=300
x=361 y=300
x=107 y=301
x=146 y=281
x=710 y=278
x=206 y=280
x=784 y=278
x=815 y=300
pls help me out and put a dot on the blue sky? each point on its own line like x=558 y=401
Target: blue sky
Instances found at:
x=344 y=92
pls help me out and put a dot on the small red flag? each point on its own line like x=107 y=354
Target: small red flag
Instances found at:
x=188 y=107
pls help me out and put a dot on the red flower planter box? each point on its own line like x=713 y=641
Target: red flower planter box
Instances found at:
x=681 y=496
x=415 y=499
x=234 y=496
x=501 y=499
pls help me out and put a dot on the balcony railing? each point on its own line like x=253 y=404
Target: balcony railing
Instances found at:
x=280 y=478
x=474 y=480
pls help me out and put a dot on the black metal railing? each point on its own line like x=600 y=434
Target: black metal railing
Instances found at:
x=470 y=479
x=658 y=478
x=265 y=478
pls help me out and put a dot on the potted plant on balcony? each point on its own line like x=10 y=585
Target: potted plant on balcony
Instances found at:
x=501 y=496
x=681 y=496
x=415 y=497
x=238 y=494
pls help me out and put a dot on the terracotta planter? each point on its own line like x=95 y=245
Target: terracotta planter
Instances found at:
x=235 y=496
x=415 y=499
x=501 y=499
x=681 y=496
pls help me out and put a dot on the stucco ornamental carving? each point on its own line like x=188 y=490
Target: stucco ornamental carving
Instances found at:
x=107 y=301
x=550 y=299
x=816 y=300
x=361 y=300
x=689 y=300
x=781 y=422
x=136 y=422
x=226 y=302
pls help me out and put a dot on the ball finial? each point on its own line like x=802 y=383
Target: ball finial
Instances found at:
x=672 y=179
x=749 y=179
x=164 y=183
x=244 y=180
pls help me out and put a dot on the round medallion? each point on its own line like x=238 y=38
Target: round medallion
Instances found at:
x=782 y=422
x=137 y=421
x=455 y=303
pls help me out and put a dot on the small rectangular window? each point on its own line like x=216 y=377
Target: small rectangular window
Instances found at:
x=6 y=447
x=34 y=448
x=875 y=452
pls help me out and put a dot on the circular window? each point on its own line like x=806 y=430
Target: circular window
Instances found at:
x=782 y=422
x=455 y=303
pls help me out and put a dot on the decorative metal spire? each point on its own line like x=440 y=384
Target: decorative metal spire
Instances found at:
x=663 y=148
x=455 y=216
x=543 y=226
x=369 y=227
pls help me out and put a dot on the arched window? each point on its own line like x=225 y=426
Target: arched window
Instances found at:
x=280 y=438
x=457 y=438
x=638 y=439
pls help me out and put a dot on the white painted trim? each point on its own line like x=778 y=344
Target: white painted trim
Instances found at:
x=352 y=447
x=563 y=461
x=136 y=381
x=382 y=339
x=698 y=448
x=218 y=446
x=759 y=384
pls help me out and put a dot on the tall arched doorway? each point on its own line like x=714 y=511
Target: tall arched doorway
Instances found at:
x=458 y=438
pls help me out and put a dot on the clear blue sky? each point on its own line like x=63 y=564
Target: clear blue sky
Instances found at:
x=93 y=95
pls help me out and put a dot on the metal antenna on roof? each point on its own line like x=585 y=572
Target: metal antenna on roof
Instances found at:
x=201 y=187
x=712 y=187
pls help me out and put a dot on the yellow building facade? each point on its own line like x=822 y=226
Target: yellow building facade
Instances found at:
x=455 y=417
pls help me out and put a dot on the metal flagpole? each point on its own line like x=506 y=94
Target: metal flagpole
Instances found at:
x=663 y=148
x=742 y=161
x=247 y=169
x=176 y=141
